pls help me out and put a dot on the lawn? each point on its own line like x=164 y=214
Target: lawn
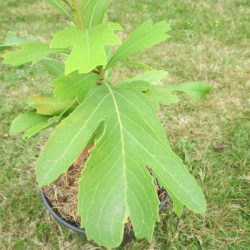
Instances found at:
x=210 y=42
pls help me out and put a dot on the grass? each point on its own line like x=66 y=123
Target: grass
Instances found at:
x=210 y=42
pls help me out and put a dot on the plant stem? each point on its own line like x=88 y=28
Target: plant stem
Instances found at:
x=76 y=9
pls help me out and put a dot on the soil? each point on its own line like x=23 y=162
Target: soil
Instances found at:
x=62 y=195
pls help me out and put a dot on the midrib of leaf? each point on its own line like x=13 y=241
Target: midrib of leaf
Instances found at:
x=152 y=129
x=92 y=16
x=122 y=138
x=128 y=48
x=86 y=6
x=75 y=136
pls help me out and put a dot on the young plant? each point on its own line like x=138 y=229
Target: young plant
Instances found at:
x=119 y=118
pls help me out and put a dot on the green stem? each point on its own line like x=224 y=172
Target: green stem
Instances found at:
x=76 y=9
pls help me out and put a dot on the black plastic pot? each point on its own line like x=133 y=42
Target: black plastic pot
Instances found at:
x=76 y=229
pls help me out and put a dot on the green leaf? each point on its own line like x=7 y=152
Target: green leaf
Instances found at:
x=94 y=11
x=74 y=85
x=49 y=105
x=159 y=95
x=154 y=77
x=135 y=63
x=178 y=206
x=144 y=37
x=12 y=40
x=115 y=183
x=59 y=6
x=54 y=67
x=26 y=120
x=138 y=85
x=88 y=46
x=36 y=129
x=197 y=90
x=29 y=52
x=142 y=82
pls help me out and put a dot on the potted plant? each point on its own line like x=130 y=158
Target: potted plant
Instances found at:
x=118 y=120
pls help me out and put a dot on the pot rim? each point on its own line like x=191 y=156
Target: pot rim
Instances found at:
x=75 y=228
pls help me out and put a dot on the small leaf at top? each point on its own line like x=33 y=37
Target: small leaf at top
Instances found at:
x=74 y=85
x=197 y=90
x=93 y=12
x=29 y=52
x=88 y=46
x=27 y=120
x=50 y=105
x=147 y=35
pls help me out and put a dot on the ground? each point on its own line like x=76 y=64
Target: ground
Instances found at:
x=210 y=42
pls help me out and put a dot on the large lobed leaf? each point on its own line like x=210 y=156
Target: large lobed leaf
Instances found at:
x=147 y=35
x=115 y=183
x=88 y=46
